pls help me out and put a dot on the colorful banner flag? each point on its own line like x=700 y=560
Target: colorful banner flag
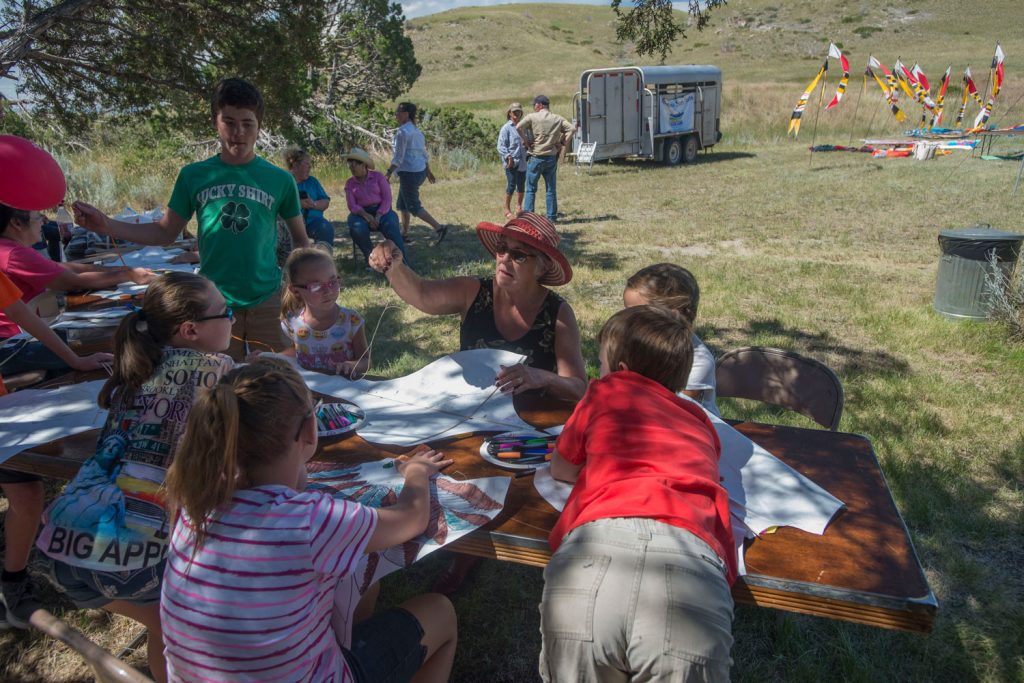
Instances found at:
x=834 y=51
x=801 y=105
x=997 y=83
x=940 y=98
x=887 y=87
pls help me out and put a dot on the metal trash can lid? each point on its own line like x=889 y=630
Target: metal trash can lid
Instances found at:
x=979 y=242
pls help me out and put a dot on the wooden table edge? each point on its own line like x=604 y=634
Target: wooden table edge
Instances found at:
x=872 y=609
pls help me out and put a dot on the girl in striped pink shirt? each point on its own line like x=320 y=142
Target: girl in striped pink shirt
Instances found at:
x=254 y=562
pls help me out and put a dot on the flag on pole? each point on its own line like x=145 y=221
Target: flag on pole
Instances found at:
x=997 y=83
x=940 y=98
x=801 y=105
x=887 y=87
x=835 y=52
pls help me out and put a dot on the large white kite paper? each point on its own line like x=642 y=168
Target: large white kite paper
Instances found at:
x=451 y=396
x=764 y=492
x=32 y=417
x=456 y=509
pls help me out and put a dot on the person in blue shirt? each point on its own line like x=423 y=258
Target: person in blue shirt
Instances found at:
x=513 y=158
x=312 y=196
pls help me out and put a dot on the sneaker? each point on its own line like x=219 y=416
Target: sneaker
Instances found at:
x=20 y=602
x=4 y=624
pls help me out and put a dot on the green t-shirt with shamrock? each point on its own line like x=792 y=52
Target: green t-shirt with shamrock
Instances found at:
x=236 y=208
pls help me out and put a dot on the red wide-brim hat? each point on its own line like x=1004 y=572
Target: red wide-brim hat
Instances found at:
x=30 y=179
x=533 y=231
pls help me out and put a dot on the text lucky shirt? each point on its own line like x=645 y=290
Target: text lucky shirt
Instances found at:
x=237 y=208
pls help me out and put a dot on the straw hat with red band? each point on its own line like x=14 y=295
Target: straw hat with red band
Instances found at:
x=535 y=232
x=30 y=179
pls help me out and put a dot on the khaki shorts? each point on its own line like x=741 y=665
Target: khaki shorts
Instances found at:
x=631 y=599
x=258 y=329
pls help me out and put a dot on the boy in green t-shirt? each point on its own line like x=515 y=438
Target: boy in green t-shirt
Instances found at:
x=237 y=198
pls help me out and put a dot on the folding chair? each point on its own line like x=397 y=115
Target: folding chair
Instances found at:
x=107 y=667
x=782 y=378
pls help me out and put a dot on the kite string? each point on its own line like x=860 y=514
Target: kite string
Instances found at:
x=373 y=338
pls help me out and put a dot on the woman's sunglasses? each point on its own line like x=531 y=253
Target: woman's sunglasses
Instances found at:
x=317 y=287
x=517 y=255
x=228 y=313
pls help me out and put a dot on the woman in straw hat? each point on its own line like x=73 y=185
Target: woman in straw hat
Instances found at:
x=513 y=157
x=514 y=310
x=368 y=194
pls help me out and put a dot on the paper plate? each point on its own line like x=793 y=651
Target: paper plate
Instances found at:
x=338 y=409
x=511 y=464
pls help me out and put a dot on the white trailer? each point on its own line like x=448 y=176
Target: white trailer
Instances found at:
x=664 y=113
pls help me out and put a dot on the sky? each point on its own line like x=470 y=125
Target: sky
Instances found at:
x=419 y=8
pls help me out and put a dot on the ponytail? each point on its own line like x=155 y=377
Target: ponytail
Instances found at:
x=204 y=472
x=297 y=260
x=169 y=301
x=249 y=419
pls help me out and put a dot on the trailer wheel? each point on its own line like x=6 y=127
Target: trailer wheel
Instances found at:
x=690 y=149
x=673 y=151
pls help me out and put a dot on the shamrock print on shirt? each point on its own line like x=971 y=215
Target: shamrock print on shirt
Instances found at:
x=234 y=217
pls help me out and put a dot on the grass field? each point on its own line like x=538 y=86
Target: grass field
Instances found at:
x=833 y=256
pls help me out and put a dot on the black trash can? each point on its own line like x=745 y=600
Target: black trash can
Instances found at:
x=966 y=252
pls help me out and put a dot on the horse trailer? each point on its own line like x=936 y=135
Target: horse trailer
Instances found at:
x=664 y=113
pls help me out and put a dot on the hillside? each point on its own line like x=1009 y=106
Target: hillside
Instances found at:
x=481 y=57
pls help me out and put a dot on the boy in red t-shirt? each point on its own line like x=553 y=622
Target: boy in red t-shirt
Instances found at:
x=638 y=587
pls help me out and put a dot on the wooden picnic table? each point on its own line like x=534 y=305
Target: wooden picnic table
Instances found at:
x=864 y=568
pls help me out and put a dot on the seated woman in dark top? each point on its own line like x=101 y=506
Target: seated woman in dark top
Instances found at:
x=513 y=310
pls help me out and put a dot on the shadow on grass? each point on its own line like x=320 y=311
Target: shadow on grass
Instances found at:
x=709 y=157
x=765 y=332
x=575 y=243
x=586 y=219
x=718 y=157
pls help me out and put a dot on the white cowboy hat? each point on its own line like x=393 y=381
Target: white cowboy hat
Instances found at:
x=359 y=155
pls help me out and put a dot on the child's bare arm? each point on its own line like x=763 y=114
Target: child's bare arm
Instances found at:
x=359 y=366
x=407 y=518
x=297 y=228
x=163 y=231
x=20 y=313
x=563 y=470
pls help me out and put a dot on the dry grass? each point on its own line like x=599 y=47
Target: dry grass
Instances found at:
x=832 y=255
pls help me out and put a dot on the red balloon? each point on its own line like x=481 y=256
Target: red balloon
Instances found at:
x=30 y=178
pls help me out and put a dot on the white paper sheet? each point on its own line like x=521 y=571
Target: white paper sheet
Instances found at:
x=766 y=492
x=36 y=416
x=451 y=396
x=147 y=257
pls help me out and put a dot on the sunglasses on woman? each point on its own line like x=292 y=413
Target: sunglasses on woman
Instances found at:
x=517 y=255
x=316 y=287
x=228 y=313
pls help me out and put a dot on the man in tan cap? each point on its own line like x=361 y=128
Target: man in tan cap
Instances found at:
x=550 y=132
x=513 y=158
